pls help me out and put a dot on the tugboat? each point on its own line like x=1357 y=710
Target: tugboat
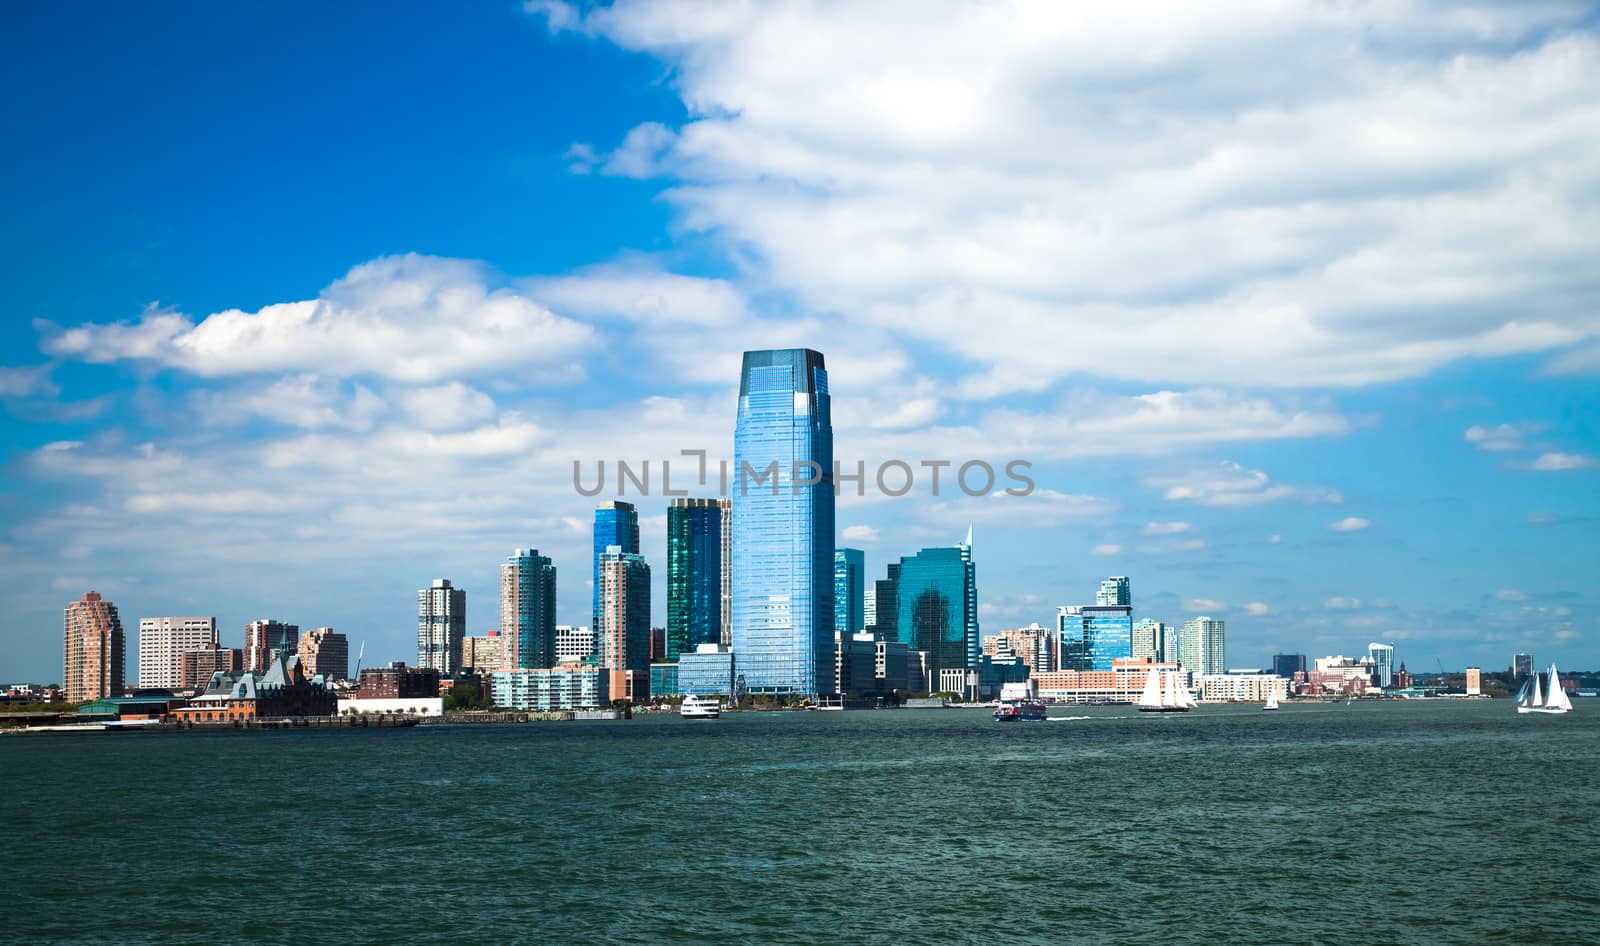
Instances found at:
x=1019 y=702
x=700 y=707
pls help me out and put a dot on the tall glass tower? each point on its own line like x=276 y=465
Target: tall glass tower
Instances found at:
x=528 y=610
x=849 y=605
x=695 y=567
x=783 y=524
x=1114 y=591
x=615 y=523
x=936 y=595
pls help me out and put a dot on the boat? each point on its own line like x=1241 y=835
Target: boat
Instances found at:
x=1272 y=701
x=1162 y=694
x=1019 y=702
x=700 y=707
x=1533 y=699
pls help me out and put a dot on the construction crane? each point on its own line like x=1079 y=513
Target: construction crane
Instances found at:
x=355 y=677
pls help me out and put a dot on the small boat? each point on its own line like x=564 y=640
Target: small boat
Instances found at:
x=1164 y=698
x=1532 y=699
x=1272 y=700
x=700 y=707
x=1019 y=702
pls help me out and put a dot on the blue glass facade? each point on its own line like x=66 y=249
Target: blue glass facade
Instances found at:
x=615 y=523
x=783 y=524
x=528 y=610
x=849 y=575
x=1093 y=636
x=936 y=594
x=694 y=575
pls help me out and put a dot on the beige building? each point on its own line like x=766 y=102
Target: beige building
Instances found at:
x=1242 y=687
x=1474 y=681
x=325 y=652
x=94 y=651
x=485 y=654
x=198 y=666
x=164 y=641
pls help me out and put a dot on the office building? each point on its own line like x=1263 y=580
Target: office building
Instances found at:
x=883 y=619
x=94 y=652
x=783 y=505
x=325 y=653
x=197 y=667
x=623 y=634
x=162 y=644
x=265 y=639
x=527 y=610
x=1522 y=666
x=696 y=573
x=1287 y=665
x=849 y=595
x=1203 y=647
x=575 y=644
x=867 y=667
x=1150 y=641
x=1114 y=592
x=709 y=671
x=1382 y=663
x=615 y=523
x=937 y=594
x=1092 y=636
x=441 y=626
x=485 y=654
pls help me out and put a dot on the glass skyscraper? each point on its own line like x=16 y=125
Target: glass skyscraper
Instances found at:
x=528 y=611
x=695 y=567
x=623 y=633
x=615 y=523
x=936 y=595
x=783 y=524
x=1114 y=591
x=849 y=603
x=1092 y=636
x=1383 y=660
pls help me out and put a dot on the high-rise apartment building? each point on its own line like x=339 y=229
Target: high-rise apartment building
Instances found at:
x=197 y=667
x=94 y=651
x=162 y=644
x=849 y=602
x=1150 y=640
x=1287 y=665
x=615 y=523
x=325 y=652
x=264 y=639
x=441 y=626
x=528 y=611
x=696 y=573
x=624 y=631
x=1094 y=635
x=1114 y=591
x=1203 y=646
x=937 y=595
x=783 y=519
x=484 y=654
x=1382 y=662
x=1522 y=665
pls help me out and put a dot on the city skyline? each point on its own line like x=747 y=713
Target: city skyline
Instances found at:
x=1288 y=366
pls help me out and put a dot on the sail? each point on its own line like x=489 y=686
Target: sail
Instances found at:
x=1171 y=696
x=1524 y=693
x=1152 y=690
x=1272 y=699
x=1186 y=698
x=1558 y=696
x=1538 y=698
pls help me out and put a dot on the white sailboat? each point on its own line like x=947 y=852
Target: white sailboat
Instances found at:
x=1532 y=698
x=1272 y=700
x=1170 y=698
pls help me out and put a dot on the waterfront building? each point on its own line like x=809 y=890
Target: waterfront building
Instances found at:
x=162 y=644
x=197 y=667
x=486 y=654
x=1242 y=687
x=663 y=679
x=563 y=687
x=866 y=666
x=849 y=596
x=283 y=690
x=615 y=523
x=1093 y=636
x=623 y=633
x=1114 y=592
x=1287 y=665
x=1341 y=675
x=1383 y=663
x=1522 y=665
x=94 y=651
x=263 y=639
x=1122 y=682
x=527 y=610
x=397 y=682
x=709 y=671
x=696 y=574
x=575 y=644
x=1474 y=681
x=325 y=653
x=783 y=522
x=441 y=626
x=1203 y=646
x=937 y=595
x=1150 y=641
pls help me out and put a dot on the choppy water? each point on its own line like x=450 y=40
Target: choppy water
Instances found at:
x=1372 y=823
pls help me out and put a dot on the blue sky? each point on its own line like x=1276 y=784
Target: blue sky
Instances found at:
x=1294 y=309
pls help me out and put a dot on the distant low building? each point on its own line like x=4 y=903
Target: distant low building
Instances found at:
x=563 y=687
x=1252 y=687
x=283 y=690
x=397 y=682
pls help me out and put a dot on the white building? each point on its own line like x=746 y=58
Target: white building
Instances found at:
x=414 y=706
x=565 y=687
x=574 y=644
x=1202 y=647
x=1242 y=687
x=164 y=641
x=1382 y=656
x=441 y=626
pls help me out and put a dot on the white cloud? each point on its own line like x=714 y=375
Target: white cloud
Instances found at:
x=1350 y=524
x=1257 y=608
x=304 y=401
x=1043 y=507
x=1166 y=528
x=1502 y=438
x=1122 y=189
x=1510 y=594
x=1557 y=462
x=1205 y=605
x=1342 y=603
x=1106 y=550
x=860 y=533
x=639 y=292
x=446 y=406
x=409 y=318
x=1228 y=485
x=26 y=381
x=1274 y=539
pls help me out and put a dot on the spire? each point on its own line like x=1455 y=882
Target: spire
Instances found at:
x=968 y=543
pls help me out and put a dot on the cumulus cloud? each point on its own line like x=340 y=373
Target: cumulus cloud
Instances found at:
x=642 y=293
x=1342 y=603
x=860 y=533
x=1555 y=462
x=1350 y=524
x=1166 y=528
x=1205 y=604
x=407 y=318
x=1106 y=550
x=1501 y=438
x=26 y=381
x=1257 y=608
x=1510 y=594
x=1228 y=485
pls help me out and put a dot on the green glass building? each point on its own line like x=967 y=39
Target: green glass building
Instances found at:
x=697 y=573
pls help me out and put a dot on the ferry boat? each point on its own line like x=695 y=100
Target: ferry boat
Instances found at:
x=700 y=707
x=1019 y=702
x=1531 y=699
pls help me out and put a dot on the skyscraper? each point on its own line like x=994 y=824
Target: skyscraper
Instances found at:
x=1150 y=640
x=1203 y=648
x=94 y=651
x=937 y=598
x=849 y=574
x=623 y=634
x=441 y=626
x=264 y=639
x=1114 y=591
x=164 y=641
x=1094 y=635
x=325 y=652
x=1522 y=665
x=885 y=615
x=1287 y=665
x=695 y=573
x=1383 y=662
x=615 y=523
x=783 y=523
x=528 y=611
